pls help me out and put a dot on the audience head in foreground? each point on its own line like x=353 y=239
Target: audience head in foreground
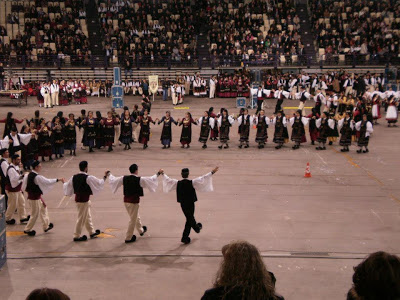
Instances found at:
x=376 y=278
x=242 y=275
x=47 y=294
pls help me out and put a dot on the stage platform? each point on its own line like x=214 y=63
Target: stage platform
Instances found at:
x=311 y=231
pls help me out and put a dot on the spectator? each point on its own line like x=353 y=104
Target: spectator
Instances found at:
x=376 y=278
x=242 y=275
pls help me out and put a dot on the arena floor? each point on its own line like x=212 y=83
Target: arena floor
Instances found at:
x=311 y=231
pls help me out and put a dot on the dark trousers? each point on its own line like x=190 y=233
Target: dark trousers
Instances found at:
x=278 y=105
x=188 y=211
x=259 y=103
x=3 y=192
x=318 y=108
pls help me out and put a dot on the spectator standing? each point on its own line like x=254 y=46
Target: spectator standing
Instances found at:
x=1 y=77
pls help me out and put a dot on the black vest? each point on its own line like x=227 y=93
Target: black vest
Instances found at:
x=185 y=192
x=3 y=176
x=132 y=186
x=31 y=186
x=80 y=185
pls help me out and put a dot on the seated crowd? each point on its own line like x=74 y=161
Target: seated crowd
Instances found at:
x=368 y=29
x=138 y=31
x=243 y=275
x=46 y=32
x=255 y=31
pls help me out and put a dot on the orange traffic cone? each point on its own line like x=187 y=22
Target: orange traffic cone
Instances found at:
x=308 y=172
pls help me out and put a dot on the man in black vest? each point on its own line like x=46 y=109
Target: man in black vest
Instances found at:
x=36 y=185
x=186 y=196
x=5 y=154
x=133 y=190
x=83 y=186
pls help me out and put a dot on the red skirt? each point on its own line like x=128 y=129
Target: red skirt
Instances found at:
x=143 y=140
x=314 y=135
x=84 y=100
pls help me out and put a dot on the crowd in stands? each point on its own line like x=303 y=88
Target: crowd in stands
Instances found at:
x=46 y=32
x=243 y=275
x=148 y=31
x=256 y=31
x=368 y=29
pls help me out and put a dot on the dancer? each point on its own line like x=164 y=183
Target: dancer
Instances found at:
x=10 y=123
x=186 y=196
x=206 y=124
x=224 y=122
x=324 y=125
x=376 y=108
x=90 y=125
x=346 y=126
x=313 y=117
x=126 y=130
x=44 y=141
x=281 y=134
x=244 y=122
x=13 y=183
x=144 y=135
x=186 y=135
x=4 y=156
x=57 y=137
x=16 y=141
x=214 y=131
x=364 y=127
x=280 y=95
x=36 y=185
x=133 y=189
x=70 y=135
x=333 y=132
x=391 y=114
x=166 y=133
x=83 y=186
x=262 y=123
x=109 y=131
x=298 y=133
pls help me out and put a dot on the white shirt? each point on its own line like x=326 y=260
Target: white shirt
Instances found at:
x=14 y=176
x=150 y=183
x=44 y=90
x=24 y=138
x=44 y=183
x=96 y=185
x=201 y=184
x=54 y=88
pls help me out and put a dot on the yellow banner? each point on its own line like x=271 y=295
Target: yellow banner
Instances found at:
x=153 y=83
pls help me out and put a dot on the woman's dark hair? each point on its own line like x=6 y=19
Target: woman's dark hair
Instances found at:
x=210 y=110
x=9 y=116
x=83 y=111
x=377 y=278
x=47 y=294
x=243 y=268
x=37 y=113
x=98 y=114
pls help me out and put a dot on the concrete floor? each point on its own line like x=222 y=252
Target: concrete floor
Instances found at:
x=311 y=231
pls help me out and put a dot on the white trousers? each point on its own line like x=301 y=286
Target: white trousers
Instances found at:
x=349 y=90
x=54 y=98
x=187 y=87
x=134 y=131
x=84 y=219
x=47 y=100
x=174 y=99
x=134 y=222
x=16 y=200
x=301 y=107
x=117 y=131
x=38 y=209
x=212 y=91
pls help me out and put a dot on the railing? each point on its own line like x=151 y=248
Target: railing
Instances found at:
x=276 y=61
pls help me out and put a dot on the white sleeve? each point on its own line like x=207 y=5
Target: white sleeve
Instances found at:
x=267 y=92
x=4 y=167
x=169 y=184
x=304 y=120
x=297 y=95
x=370 y=129
x=212 y=122
x=331 y=123
x=219 y=120
x=231 y=120
x=14 y=177
x=267 y=120
x=4 y=144
x=284 y=121
x=276 y=94
x=252 y=120
x=25 y=138
x=115 y=183
x=291 y=120
x=203 y=183
x=96 y=185
x=199 y=121
x=318 y=122
x=239 y=120
x=150 y=183
x=340 y=123
x=307 y=95
x=286 y=94
x=68 y=188
x=358 y=125
x=253 y=91
x=44 y=183
x=24 y=182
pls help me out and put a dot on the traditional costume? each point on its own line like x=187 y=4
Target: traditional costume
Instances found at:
x=70 y=136
x=166 y=133
x=224 y=123
x=281 y=134
x=262 y=123
x=144 y=135
x=126 y=132
x=109 y=132
x=365 y=129
x=298 y=133
x=186 y=134
x=206 y=124
x=391 y=114
x=244 y=122
x=324 y=126
x=57 y=136
x=45 y=143
x=346 y=126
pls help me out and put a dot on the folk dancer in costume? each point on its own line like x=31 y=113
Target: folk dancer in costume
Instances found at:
x=81 y=124
x=298 y=133
x=144 y=135
x=203 y=89
x=215 y=130
x=70 y=134
x=13 y=183
x=303 y=96
x=117 y=127
x=376 y=108
x=262 y=123
x=4 y=157
x=391 y=114
x=332 y=102
x=83 y=186
x=206 y=124
x=244 y=123
x=99 y=130
x=126 y=130
x=213 y=83
x=186 y=135
x=39 y=95
x=16 y=141
x=281 y=134
x=57 y=137
x=36 y=185
x=179 y=94
x=45 y=91
x=54 y=90
x=44 y=141
x=186 y=196
x=166 y=133
x=364 y=127
x=174 y=94
x=280 y=95
x=333 y=132
x=260 y=92
x=133 y=185
x=320 y=100
x=324 y=125
x=197 y=87
x=225 y=123
x=313 y=117
x=89 y=124
x=346 y=126
x=109 y=131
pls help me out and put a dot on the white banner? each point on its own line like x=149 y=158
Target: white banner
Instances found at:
x=153 y=83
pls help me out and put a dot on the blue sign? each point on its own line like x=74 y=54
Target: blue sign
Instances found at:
x=117 y=103
x=117 y=93
x=240 y=102
x=117 y=76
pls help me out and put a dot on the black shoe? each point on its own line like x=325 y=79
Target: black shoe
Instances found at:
x=94 y=235
x=50 y=158
x=247 y=146
x=10 y=222
x=168 y=146
x=359 y=151
x=366 y=150
x=226 y=147
x=131 y=240
x=343 y=150
x=277 y=147
x=204 y=146
x=186 y=240
x=199 y=227
x=323 y=148
x=220 y=147
x=144 y=230
x=318 y=148
x=30 y=233
x=61 y=156
x=294 y=147
x=259 y=146
x=312 y=143
x=165 y=147
x=81 y=239
x=74 y=154
x=50 y=227
x=240 y=146
x=22 y=221
x=330 y=143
